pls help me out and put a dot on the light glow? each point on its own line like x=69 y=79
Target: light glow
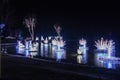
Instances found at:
x=82 y=46
x=101 y=44
x=105 y=45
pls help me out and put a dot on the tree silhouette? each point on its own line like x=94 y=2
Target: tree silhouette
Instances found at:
x=30 y=24
x=58 y=29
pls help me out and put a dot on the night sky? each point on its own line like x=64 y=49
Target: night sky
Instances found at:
x=90 y=20
x=85 y=19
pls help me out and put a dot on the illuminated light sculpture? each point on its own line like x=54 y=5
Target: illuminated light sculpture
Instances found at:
x=34 y=47
x=79 y=59
x=79 y=51
x=54 y=42
x=83 y=42
x=58 y=51
x=42 y=39
x=59 y=40
x=108 y=45
x=37 y=38
x=19 y=49
x=82 y=47
x=19 y=44
x=46 y=49
x=27 y=53
x=30 y=44
x=101 y=44
x=42 y=47
x=82 y=59
x=60 y=43
x=36 y=44
x=54 y=49
x=49 y=38
x=46 y=41
x=26 y=44
x=60 y=54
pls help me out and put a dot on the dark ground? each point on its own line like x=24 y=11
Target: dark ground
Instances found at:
x=16 y=67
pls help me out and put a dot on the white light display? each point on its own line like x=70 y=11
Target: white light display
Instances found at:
x=19 y=44
x=42 y=39
x=108 y=45
x=58 y=42
x=79 y=51
x=46 y=41
x=54 y=42
x=82 y=47
x=37 y=38
x=83 y=42
x=101 y=44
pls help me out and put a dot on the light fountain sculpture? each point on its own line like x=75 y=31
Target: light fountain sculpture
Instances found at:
x=82 y=47
x=79 y=59
x=110 y=47
x=101 y=44
x=19 y=44
x=46 y=41
x=58 y=42
x=82 y=51
x=20 y=47
x=60 y=52
x=105 y=59
x=37 y=38
x=34 y=46
x=55 y=45
x=26 y=44
x=44 y=46
x=105 y=45
x=27 y=48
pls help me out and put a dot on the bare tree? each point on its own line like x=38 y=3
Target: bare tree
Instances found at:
x=58 y=29
x=30 y=24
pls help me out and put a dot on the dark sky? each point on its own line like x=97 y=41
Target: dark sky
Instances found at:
x=76 y=18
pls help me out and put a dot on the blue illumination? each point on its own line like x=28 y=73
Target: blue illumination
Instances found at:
x=46 y=50
x=42 y=47
x=109 y=65
x=19 y=50
x=26 y=52
x=60 y=54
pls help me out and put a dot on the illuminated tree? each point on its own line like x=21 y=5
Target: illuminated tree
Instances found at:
x=105 y=45
x=58 y=29
x=30 y=24
x=101 y=44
